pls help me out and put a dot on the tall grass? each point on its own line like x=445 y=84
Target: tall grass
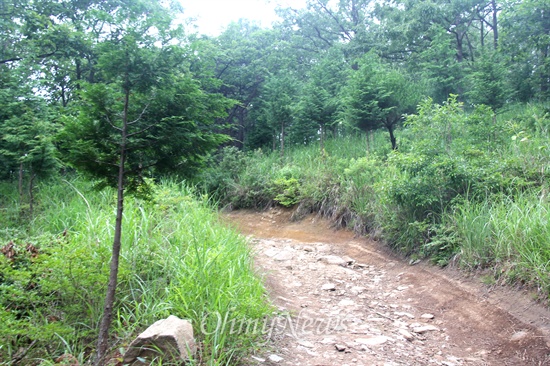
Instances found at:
x=511 y=233
x=177 y=258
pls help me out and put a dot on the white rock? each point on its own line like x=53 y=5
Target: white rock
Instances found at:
x=332 y=259
x=171 y=339
x=328 y=287
x=275 y=358
x=402 y=313
x=519 y=336
x=372 y=341
x=346 y=302
x=406 y=334
x=283 y=256
x=427 y=316
x=306 y=344
x=425 y=328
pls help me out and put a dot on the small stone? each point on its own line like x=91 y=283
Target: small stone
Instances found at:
x=328 y=287
x=402 y=313
x=257 y=359
x=346 y=302
x=424 y=329
x=332 y=259
x=283 y=256
x=340 y=347
x=427 y=316
x=372 y=341
x=519 y=336
x=275 y=358
x=406 y=334
x=357 y=289
x=271 y=252
x=308 y=249
x=306 y=344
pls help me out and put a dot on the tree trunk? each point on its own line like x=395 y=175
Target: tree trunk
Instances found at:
x=495 y=24
x=282 y=139
x=322 y=141
x=103 y=339
x=368 y=142
x=21 y=184
x=392 y=138
x=31 y=193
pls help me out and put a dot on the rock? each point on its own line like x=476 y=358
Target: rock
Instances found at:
x=171 y=338
x=271 y=252
x=405 y=314
x=257 y=359
x=427 y=316
x=306 y=344
x=425 y=328
x=346 y=302
x=275 y=358
x=309 y=249
x=357 y=289
x=340 y=347
x=328 y=287
x=283 y=256
x=332 y=259
x=519 y=336
x=406 y=334
x=348 y=260
x=372 y=341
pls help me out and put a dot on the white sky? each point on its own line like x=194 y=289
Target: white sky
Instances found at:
x=214 y=15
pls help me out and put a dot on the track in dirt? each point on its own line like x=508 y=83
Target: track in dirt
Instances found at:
x=351 y=302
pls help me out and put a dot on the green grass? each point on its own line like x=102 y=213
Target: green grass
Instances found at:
x=177 y=258
x=511 y=234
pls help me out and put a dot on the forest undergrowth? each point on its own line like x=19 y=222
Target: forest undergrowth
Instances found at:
x=177 y=259
x=466 y=188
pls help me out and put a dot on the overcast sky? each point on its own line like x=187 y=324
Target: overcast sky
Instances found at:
x=214 y=15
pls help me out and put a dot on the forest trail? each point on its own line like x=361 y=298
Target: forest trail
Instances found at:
x=345 y=300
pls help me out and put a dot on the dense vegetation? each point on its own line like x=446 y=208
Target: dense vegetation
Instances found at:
x=177 y=258
x=424 y=123
x=463 y=188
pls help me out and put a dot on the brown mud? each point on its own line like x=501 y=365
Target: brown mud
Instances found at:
x=344 y=300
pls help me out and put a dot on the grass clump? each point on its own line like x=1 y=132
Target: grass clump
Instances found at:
x=177 y=259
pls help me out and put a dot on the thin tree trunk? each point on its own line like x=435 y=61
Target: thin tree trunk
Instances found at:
x=283 y=139
x=31 y=193
x=322 y=139
x=392 y=139
x=103 y=339
x=495 y=24
x=368 y=142
x=21 y=184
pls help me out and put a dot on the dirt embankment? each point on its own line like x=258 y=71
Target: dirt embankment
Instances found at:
x=344 y=300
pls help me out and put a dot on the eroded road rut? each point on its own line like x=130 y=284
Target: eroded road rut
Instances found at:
x=347 y=301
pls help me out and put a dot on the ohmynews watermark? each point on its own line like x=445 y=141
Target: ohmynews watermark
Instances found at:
x=298 y=326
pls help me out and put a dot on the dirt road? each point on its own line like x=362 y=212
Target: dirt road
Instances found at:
x=344 y=300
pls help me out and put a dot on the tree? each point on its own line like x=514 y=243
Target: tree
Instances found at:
x=379 y=97
x=147 y=116
x=526 y=40
x=26 y=131
x=320 y=98
x=278 y=105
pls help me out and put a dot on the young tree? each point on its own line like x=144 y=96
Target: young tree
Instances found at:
x=379 y=97
x=146 y=117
